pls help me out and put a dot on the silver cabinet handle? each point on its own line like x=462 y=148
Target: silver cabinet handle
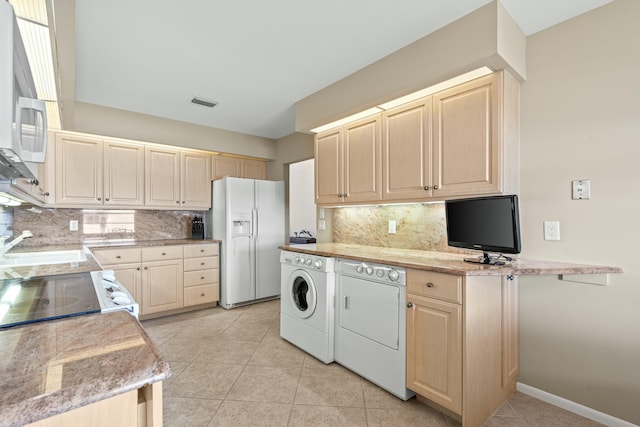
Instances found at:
x=346 y=303
x=409 y=304
x=435 y=187
x=429 y=285
x=426 y=188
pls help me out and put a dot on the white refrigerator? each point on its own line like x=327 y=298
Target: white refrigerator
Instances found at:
x=247 y=215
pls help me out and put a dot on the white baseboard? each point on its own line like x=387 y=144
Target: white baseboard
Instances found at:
x=574 y=407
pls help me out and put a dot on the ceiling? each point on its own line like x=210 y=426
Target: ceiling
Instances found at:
x=256 y=58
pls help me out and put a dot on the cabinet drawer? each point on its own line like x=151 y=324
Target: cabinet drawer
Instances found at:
x=204 y=263
x=160 y=253
x=442 y=286
x=117 y=256
x=201 y=277
x=201 y=294
x=194 y=251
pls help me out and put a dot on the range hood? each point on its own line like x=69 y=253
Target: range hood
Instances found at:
x=12 y=166
x=12 y=195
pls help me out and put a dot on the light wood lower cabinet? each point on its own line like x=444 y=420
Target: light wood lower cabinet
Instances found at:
x=434 y=347
x=166 y=278
x=462 y=345
x=162 y=288
x=136 y=408
x=201 y=274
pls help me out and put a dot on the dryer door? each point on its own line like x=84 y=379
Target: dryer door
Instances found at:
x=302 y=293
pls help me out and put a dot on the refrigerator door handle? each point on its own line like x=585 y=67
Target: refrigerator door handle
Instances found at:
x=256 y=225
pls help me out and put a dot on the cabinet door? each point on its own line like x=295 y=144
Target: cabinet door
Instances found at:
x=78 y=170
x=130 y=275
x=196 y=180
x=254 y=169
x=434 y=351
x=362 y=161
x=225 y=166
x=162 y=177
x=407 y=151
x=466 y=138
x=123 y=174
x=162 y=286
x=329 y=167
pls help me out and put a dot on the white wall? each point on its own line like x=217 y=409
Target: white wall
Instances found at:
x=302 y=208
x=580 y=119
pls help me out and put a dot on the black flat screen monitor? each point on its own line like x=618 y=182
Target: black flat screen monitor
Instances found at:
x=488 y=224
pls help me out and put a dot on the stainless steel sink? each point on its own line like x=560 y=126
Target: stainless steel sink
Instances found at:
x=22 y=259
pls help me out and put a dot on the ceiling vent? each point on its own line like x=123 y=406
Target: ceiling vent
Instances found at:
x=204 y=102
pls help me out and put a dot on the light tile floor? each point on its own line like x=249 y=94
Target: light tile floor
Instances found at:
x=231 y=368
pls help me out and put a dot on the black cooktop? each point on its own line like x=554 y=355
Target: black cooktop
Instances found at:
x=34 y=299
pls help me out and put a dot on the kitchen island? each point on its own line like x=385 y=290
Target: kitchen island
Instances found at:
x=98 y=369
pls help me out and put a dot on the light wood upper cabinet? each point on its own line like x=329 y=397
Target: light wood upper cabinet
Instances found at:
x=363 y=161
x=95 y=172
x=225 y=166
x=162 y=177
x=329 y=169
x=459 y=142
x=254 y=169
x=177 y=179
x=407 y=151
x=78 y=170
x=348 y=163
x=123 y=173
x=238 y=167
x=474 y=139
x=195 y=180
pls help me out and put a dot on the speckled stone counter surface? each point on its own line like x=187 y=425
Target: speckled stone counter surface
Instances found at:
x=82 y=267
x=445 y=262
x=142 y=243
x=52 y=367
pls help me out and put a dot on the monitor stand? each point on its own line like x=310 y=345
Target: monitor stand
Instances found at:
x=485 y=258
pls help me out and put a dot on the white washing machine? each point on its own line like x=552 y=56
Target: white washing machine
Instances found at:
x=307 y=303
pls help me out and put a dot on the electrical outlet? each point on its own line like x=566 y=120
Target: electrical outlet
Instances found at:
x=581 y=189
x=552 y=230
x=392 y=227
x=73 y=225
x=322 y=226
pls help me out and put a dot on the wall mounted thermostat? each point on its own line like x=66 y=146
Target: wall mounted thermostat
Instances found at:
x=581 y=189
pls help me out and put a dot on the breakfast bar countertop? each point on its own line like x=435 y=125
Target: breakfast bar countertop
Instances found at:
x=48 y=368
x=445 y=262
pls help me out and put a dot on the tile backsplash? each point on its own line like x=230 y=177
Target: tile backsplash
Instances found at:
x=51 y=226
x=418 y=226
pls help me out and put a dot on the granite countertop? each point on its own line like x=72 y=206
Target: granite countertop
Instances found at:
x=52 y=367
x=90 y=264
x=445 y=262
x=145 y=243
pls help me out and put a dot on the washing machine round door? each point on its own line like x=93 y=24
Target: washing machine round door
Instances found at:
x=302 y=293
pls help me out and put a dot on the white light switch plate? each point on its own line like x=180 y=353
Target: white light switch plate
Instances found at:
x=73 y=225
x=392 y=227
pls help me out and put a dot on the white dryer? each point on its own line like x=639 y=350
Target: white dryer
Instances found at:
x=307 y=303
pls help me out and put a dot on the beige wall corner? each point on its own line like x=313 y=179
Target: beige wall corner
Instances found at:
x=477 y=39
x=289 y=149
x=580 y=110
